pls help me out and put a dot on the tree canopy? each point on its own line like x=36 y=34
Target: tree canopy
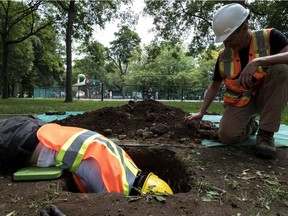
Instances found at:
x=38 y=40
x=19 y=21
x=175 y=20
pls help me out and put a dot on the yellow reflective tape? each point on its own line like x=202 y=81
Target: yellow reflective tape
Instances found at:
x=123 y=161
x=231 y=95
x=134 y=169
x=66 y=145
x=235 y=96
x=82 y=151
x=255 y=45
x=117 y=155
x=260 y=69
x=131 y=168
x=221 y=66
x=103 y=140
x=266 y=39
x=232 y=71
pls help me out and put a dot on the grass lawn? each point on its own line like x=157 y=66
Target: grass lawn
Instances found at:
x=20 y=106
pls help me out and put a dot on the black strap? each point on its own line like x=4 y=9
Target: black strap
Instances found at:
x=138 y=184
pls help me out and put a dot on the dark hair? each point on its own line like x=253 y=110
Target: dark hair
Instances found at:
x=246 y=20
x=138 y=184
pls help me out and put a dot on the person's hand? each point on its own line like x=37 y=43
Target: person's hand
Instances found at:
x=197 y=116
x=246 y=76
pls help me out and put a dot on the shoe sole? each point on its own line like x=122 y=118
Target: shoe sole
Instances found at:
x=265 y=152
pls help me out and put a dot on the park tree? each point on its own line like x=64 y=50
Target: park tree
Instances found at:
x=172 y=66
x=125 y=43
x=203 y=70
x=268 y=14
x=80 y=18
x=178 y=20
x=20 y=68
x=19 y=21
x=93 y=61
x=152 y=50
x=48 y=64
x=68 y=8
x=163 y=67
x=170 y=60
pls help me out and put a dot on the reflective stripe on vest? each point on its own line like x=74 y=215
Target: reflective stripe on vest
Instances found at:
x=228 y=63
x=129 y=169
x=261 y=49
x=230 y=67
x=72 y=152
x=261 y=46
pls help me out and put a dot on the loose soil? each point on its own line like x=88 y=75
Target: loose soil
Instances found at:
x=226 y=180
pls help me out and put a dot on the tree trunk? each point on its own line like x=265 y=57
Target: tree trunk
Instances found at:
x=69 y=32
x=5 y=73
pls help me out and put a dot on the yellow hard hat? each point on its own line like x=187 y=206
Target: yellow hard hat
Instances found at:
x=156 y=185
x=227 y=19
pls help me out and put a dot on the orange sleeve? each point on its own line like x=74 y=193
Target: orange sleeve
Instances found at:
x=53 y=136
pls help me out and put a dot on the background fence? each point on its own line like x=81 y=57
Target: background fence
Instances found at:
x=136 y=92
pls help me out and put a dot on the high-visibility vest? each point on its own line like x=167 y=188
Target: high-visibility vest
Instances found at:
x=73 y=144
x=230 y=68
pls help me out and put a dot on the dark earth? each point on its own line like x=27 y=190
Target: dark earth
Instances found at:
x=226 y=180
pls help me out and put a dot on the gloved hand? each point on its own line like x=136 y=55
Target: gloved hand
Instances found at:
x=53 y=211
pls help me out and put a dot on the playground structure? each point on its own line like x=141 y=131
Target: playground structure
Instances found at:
x=87 y=88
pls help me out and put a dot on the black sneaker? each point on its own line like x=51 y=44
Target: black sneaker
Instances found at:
x=265 y=147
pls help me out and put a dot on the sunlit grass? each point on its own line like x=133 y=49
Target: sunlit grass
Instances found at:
x=38 y=106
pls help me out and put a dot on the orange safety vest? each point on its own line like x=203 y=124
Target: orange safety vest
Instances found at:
x=230 y=68
x=76 y=144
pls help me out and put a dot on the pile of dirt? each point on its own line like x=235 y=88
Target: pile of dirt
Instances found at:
x=148 y=121
x=206 y=181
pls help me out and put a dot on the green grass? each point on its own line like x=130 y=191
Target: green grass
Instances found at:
x=38 y=106
x=19 y=106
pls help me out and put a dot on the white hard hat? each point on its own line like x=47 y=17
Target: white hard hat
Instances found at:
x=227 y=19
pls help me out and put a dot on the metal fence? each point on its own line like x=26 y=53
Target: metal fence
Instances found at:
x=135 y=92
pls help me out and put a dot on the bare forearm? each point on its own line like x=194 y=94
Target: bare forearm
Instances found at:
x=245 y=78
x=210 y=96
x=280 y=58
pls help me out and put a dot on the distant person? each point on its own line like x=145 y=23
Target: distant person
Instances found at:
x=150 y=93
x=98 y=165
x=156 y=95
x=110 y=94
x=254 y=68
